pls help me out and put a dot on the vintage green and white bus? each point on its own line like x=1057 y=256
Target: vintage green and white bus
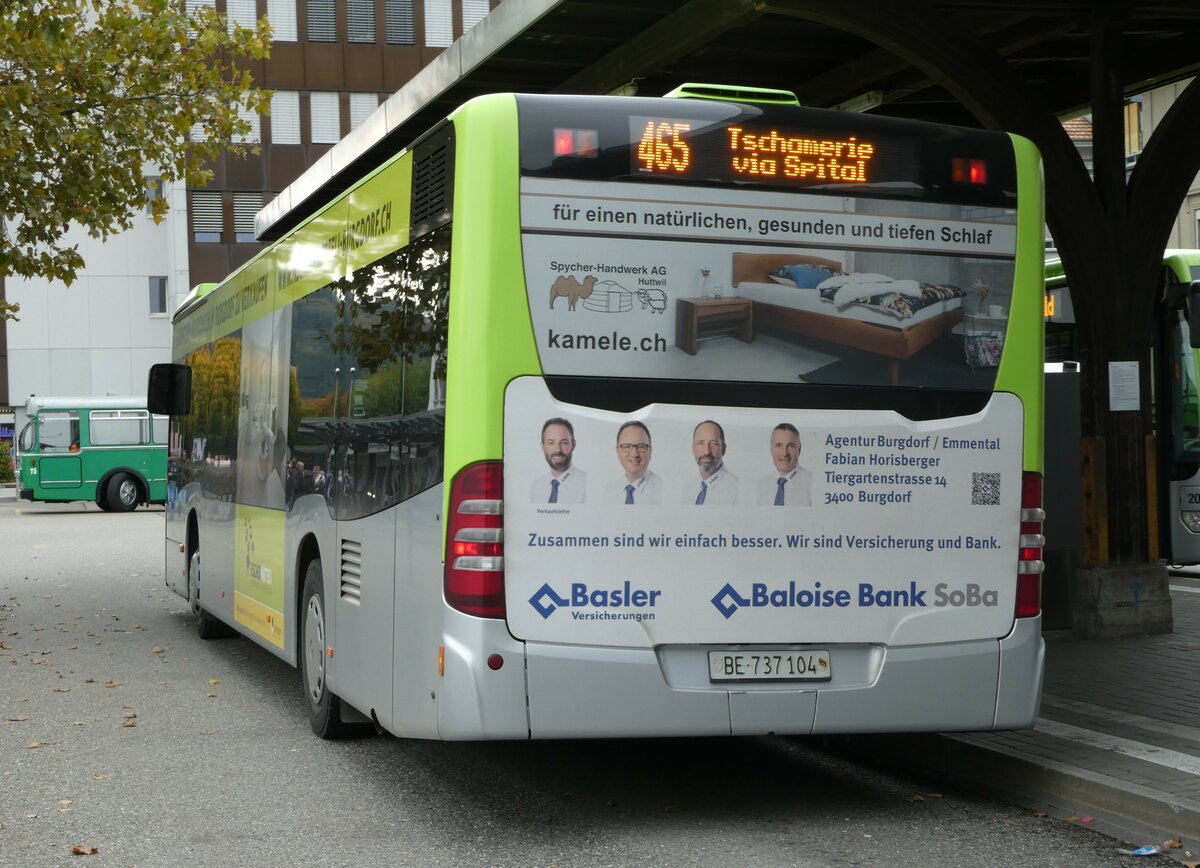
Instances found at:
x=109 y=449
x=613 y=416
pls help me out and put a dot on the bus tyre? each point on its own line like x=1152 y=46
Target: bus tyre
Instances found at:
x=324 y=709
x=122 y=493
x=207 y=627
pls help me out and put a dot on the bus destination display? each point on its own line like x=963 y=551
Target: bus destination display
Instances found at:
x=684 y=149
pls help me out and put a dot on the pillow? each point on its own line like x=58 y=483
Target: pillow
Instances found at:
x=801 y=275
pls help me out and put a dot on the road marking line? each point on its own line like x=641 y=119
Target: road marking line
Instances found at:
x=1162 y=756
x=1112 y=715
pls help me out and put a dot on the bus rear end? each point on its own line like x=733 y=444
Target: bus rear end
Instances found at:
x=743 y=423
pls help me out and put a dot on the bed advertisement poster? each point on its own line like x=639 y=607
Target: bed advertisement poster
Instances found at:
x=683 y=524
x=764 y=286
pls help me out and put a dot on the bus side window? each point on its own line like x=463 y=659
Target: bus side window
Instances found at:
x=58 y=431
x=391 y=418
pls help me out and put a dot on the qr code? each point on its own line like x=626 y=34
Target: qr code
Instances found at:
x=985 y=489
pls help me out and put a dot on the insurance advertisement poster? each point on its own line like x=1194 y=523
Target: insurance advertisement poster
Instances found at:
x=721 y=524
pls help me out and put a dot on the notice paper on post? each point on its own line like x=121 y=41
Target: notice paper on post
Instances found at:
x=1123 y=393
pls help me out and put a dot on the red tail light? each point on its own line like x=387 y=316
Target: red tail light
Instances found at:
x=1029 y=570
x=474 y=577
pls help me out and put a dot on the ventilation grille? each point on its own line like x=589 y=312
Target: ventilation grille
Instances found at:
x=431 y=190
x=351 y=571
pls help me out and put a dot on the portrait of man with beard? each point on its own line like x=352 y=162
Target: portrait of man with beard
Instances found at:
x=564 y=482
x=717 y=486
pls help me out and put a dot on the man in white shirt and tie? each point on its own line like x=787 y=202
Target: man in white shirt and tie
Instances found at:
x=717 y=485
x=638 y=485
x=789 y=484
x=565 y=483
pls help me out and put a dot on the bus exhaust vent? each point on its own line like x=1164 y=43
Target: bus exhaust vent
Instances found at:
x=351 y=570
x=432 y=190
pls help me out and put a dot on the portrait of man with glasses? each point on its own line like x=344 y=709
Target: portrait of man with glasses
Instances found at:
x=638 y=484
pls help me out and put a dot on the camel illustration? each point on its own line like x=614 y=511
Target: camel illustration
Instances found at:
x=572 y=290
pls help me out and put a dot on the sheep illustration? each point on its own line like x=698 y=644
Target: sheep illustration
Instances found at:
x=572 y=290
x=655 y=299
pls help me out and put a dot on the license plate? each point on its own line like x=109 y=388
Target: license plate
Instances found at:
x=768 y=665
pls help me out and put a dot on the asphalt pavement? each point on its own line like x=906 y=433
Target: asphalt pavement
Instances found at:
x=1114 y=749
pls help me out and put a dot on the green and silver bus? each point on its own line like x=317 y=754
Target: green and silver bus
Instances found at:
x=110 y=450
x=1177 y=407
x=619 y=416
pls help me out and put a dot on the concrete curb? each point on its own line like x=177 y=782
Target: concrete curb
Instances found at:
x=1133 y=809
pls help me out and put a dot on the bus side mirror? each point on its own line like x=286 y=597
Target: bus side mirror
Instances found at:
x=169 y=390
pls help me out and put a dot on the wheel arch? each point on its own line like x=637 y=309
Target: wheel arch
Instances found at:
x=307 y=552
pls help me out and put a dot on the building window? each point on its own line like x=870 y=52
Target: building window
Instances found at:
x=154 y=192
x=439 y=23
x=250 y=116
x=158 y=295
x=361 y=106
x=285 y=117
x=207 y=219
x=473 y=12
x=400 y=27
x=281 y=14
x=194 y=6
x=322 y=25
x=245 y=206
x=326 y=118
x=360 y=21
x=240 y=13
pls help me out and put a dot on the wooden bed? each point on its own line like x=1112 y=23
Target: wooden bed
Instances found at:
x=894 y=343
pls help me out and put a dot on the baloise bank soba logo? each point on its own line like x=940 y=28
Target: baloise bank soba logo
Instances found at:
x=624 y=603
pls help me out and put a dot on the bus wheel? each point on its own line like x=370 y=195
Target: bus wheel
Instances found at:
x=122 y=493
x=324 y=709
x=207 y=627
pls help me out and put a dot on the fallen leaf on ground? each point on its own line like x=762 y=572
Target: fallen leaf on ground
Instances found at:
x=129 y=714
x=113 y=683
x=916 y=798
x=89 y=681
x=1173 y=843
x=83 y=850
x=157 y=649
x=214 y=681
x=36 y=744
x=206 y=732
x=16 y=717
x=129 y=724
x=4 y=646
x=79 y=723
x=210 y=696
x=96 y=776
x=65 y=802
x=62 y=689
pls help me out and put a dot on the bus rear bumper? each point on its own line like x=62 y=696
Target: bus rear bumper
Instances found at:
x=27 y=494
x=597 y=692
